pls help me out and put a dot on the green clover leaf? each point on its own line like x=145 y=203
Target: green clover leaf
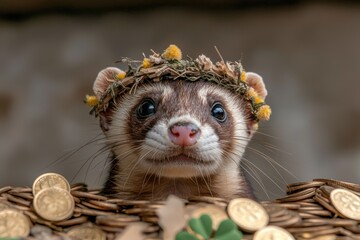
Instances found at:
x=185 y=236
x=227 y=230
x=202 y=228
x=202 y=225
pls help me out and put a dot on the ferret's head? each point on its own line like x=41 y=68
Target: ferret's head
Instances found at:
x=177 y=128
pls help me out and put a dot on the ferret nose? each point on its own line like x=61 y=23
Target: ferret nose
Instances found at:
x=184 y=134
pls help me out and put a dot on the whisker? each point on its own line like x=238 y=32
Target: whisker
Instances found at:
x=256 y=178
x=106 y=162
x=132 y=169
x=266 y=175
x=71 y=153
x=270 y=160
x=207 y=185
x=95 y=155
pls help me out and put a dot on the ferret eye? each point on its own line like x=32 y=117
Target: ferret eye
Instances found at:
x=218 y=112
x=146 y=108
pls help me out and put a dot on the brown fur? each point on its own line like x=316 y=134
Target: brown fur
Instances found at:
x=184 y=99
x=158 y=188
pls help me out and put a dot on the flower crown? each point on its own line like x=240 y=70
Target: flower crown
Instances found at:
x=170 y=65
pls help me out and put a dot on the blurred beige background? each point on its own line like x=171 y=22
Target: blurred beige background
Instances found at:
x=308 y=54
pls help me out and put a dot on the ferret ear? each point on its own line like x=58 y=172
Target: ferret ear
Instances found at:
x=105 y=78
x=256 y=82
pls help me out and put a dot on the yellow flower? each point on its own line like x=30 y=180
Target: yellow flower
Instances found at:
x=258 y=99
x=256 y=126
x=172 y=52
x=252 y=93
x=146 y=63
x=91 y=100
x=243 y=76
x=120 y=75
x=264 y=112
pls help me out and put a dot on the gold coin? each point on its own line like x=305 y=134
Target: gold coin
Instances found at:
x=294 y=187
x=118 y=220
x=295 y=197
x=5 y=205
x=13 y=224
x=292 y=218
x=54 y=204
x=326 y=237
x=72 y=221
x=273 y=232
x=347 y=203
x=338 y=222
x=50 y=180
x=274 y=210
x=337 y=183
x=247 y=214
x=86 y=232
x=216 y=213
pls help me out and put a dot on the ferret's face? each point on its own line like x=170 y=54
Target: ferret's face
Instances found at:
x=178 y=129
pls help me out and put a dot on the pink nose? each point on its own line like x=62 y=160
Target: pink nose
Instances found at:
x=184 y=134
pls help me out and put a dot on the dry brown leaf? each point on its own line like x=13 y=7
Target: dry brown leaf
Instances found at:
x=204 y=62
x=172 y=217
x=133 y=232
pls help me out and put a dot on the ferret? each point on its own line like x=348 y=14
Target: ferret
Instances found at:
x=177 y=137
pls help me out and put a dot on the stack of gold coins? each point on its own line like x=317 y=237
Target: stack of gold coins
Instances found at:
x=51 y=209
x=251 y=217
x=52 y=198
x=54 y=202
x=13 y=223
x=328 y=209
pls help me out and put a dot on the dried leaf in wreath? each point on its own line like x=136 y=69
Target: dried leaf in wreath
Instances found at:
x=172 y=217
